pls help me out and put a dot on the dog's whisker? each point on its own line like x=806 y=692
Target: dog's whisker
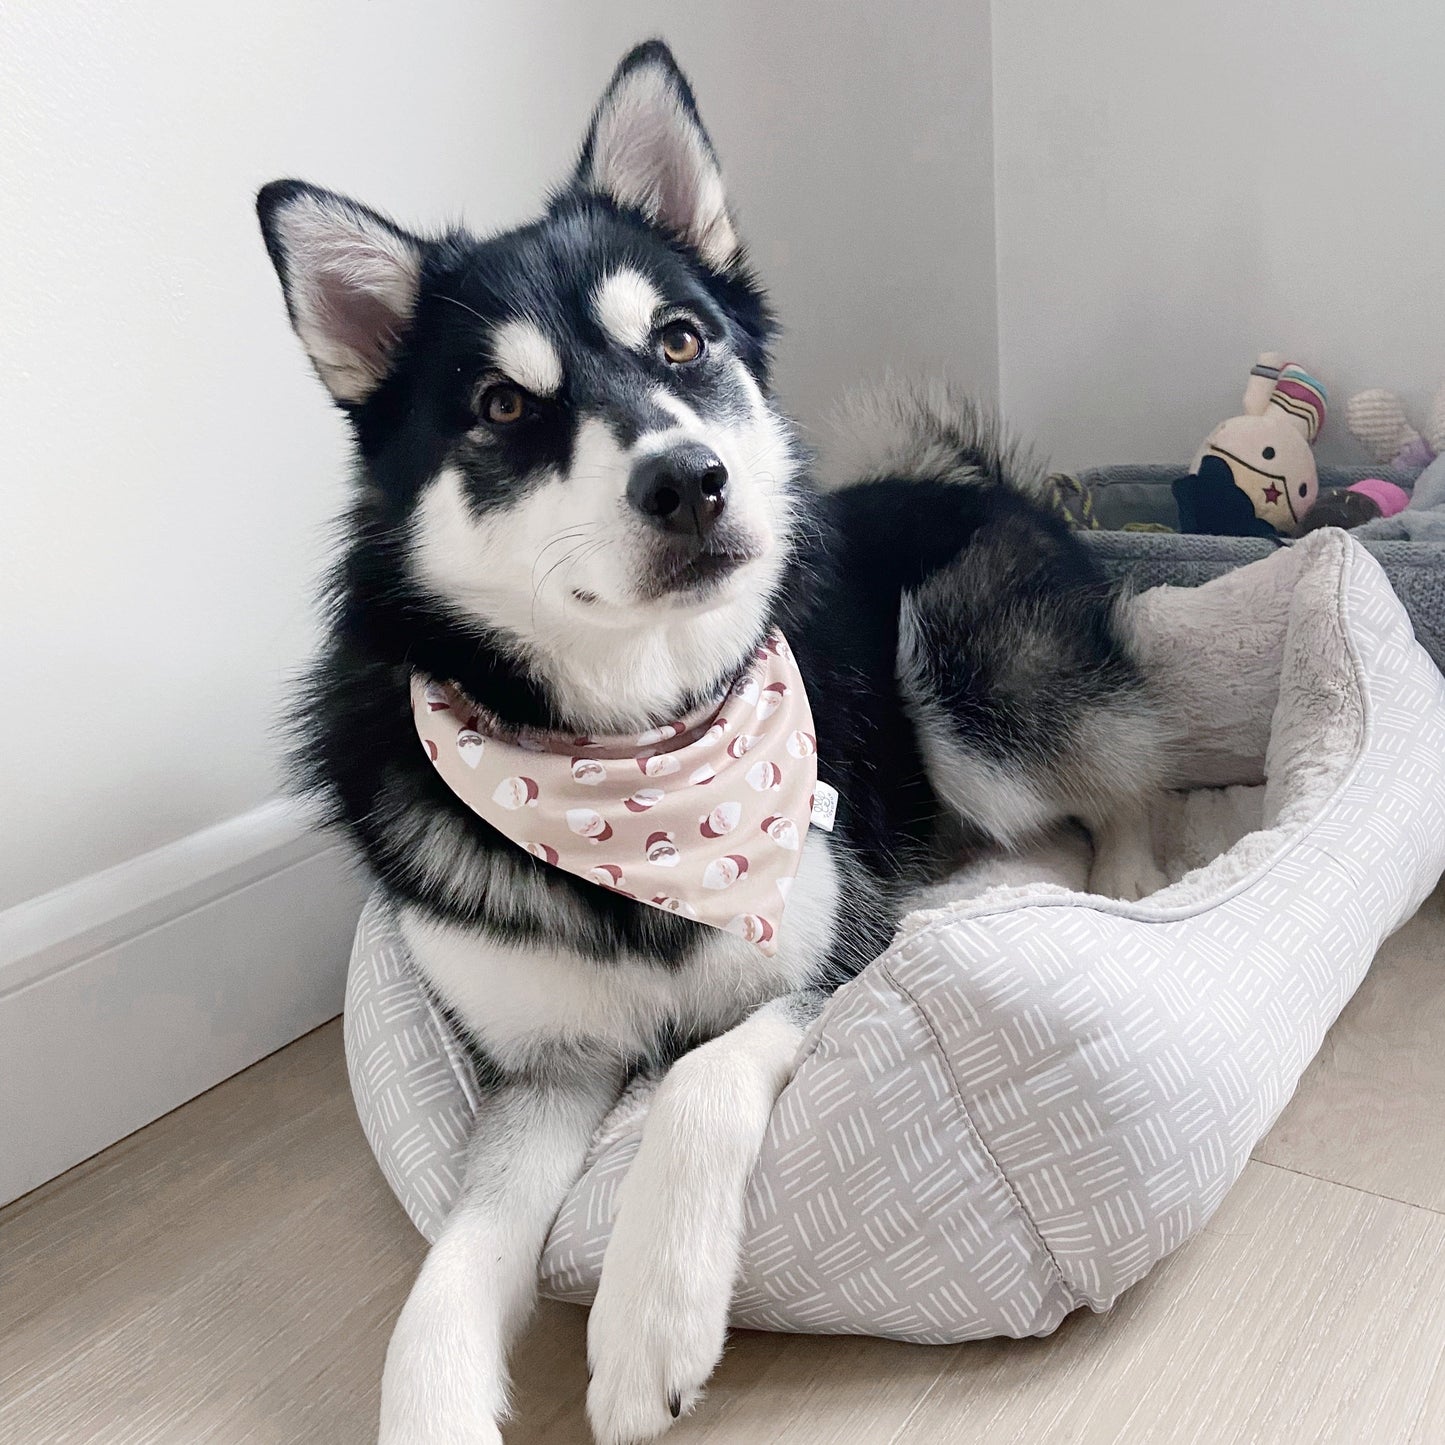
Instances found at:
x=579 y=554
x=572 y=534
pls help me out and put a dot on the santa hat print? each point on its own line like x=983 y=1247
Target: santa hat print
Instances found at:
x=673 y=905
x=782 y=830
x=659 y=734
x=771 y=699
x=725 y=871
x=682 y=803
x=722 y=819
x=801 y=744
x=590 y=824
x=765 y=777
x=752 y=926
x=590 y=772
x=514 y=793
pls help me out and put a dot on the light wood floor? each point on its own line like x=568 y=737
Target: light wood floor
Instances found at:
x=230 y=1275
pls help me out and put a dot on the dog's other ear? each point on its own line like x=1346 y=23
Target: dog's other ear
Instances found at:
x=351 y=280
x=646 y=149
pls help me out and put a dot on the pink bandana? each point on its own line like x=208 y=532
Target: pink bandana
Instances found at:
x=704 y=817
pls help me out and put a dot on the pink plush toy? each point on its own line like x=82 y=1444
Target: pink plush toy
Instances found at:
x=1355 y=505
x=1389 y=498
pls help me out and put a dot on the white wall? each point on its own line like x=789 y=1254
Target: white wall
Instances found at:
x=1183 y=185
x=857 y=140
x=167 y=460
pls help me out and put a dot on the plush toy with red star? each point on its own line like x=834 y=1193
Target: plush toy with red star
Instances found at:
x=1255 y=474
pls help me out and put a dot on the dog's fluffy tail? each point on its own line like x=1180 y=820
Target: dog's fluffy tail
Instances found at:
x=922 y=431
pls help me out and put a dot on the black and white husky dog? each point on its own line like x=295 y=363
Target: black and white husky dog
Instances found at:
x=577 y=501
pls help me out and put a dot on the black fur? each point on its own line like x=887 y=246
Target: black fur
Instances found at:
x=999 y=581
x=856 y=553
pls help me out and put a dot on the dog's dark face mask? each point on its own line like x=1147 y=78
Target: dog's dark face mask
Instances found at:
x=567 y=427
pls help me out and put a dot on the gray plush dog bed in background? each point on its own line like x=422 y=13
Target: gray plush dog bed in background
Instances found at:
x=1123 y=494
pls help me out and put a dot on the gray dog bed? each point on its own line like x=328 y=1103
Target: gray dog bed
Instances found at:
x=1036 y=1093
x=1123 y=494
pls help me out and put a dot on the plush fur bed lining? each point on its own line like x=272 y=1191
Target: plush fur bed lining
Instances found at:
x=1261 y=670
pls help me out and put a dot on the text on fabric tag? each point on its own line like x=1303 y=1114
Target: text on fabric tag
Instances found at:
x=825 y=806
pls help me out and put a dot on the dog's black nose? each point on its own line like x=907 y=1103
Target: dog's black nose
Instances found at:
x=682 y=491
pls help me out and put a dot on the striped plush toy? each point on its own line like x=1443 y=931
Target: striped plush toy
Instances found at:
x=1255 y=474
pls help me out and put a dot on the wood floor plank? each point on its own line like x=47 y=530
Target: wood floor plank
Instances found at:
x=768 y=1388
x=1305 y=1313
x=1370 y=1110
x=1430 y=1426
x=815 y=1389
x=230 y=1274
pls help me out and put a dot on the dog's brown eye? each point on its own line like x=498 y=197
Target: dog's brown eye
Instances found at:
x=502 y=405
x=681 y=343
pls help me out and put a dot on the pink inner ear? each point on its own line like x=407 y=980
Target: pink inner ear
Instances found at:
x=359 y=320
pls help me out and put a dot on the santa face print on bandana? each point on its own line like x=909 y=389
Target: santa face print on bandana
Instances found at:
x=704 y=817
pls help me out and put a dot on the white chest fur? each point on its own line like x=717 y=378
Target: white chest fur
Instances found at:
x=522 y=1001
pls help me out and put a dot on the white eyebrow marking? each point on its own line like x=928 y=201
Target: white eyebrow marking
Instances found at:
x=524 y=355
x=625 y=303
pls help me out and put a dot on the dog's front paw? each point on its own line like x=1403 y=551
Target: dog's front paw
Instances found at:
x=659 y=1322
x=653 y=1339
x=412 y=1417
x=660 y=1319
x=436 y=1432
x=440 y=1385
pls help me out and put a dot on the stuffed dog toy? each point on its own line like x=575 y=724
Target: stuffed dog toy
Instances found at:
x=1255 y=474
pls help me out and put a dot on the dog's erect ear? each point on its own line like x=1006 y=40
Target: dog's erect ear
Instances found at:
x=351 y=280
x=647 y=149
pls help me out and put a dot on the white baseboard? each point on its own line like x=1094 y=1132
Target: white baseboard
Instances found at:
x=133 y=990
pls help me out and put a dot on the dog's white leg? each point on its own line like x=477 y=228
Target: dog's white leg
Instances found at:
x=445 y=1381
x=1124 y=865
x=659 y=1321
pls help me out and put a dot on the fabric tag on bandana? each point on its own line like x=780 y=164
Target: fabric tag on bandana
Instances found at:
x=825 y=806
x=704 y=817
